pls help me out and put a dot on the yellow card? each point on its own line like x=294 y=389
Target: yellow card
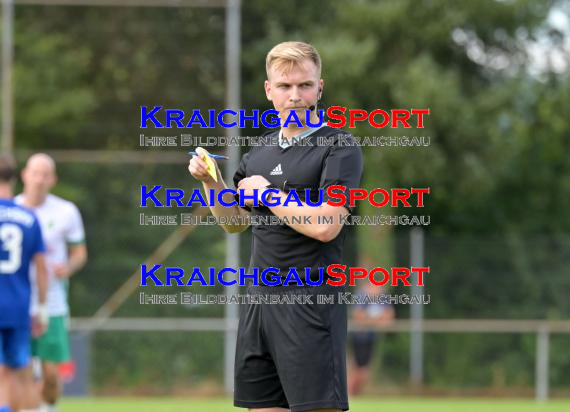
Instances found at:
x=209 y=162
x=211 y=167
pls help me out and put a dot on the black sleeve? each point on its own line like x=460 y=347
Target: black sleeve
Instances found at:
x=240 y=174
x=343 y=166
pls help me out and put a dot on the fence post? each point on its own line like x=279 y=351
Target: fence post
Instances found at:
x=417 y=310
x=542 y=355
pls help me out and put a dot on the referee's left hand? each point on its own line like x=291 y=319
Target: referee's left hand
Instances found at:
x=250 y=183
x=199 y=169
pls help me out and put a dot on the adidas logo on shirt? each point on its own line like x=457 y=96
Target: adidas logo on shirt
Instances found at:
x=277 y=170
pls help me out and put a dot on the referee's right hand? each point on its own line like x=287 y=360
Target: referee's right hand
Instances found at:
x=198 y=168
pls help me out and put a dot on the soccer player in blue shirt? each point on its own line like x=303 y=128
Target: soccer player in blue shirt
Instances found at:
x=20 y=244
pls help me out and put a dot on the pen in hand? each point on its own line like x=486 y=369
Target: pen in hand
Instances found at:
x=213 y=156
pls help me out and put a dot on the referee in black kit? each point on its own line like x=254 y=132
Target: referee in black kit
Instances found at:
x=292 y=356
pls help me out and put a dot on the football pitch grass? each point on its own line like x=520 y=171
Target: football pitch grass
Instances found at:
x=356 y=405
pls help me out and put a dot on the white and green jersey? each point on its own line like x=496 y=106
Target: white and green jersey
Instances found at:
x=61 y=226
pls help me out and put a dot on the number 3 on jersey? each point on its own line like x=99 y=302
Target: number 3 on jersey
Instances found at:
x=11 y=248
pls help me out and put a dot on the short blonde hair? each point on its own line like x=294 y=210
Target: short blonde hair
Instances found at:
x=286 y=56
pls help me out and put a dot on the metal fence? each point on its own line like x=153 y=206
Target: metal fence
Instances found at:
x=542 y=329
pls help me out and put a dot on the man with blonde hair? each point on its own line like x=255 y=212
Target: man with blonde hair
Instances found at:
x=64 y=237
x=292 y=356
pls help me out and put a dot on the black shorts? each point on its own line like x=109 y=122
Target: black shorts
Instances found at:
x=363 y=345
x=292 y=355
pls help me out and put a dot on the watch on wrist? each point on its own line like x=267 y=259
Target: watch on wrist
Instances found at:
x=263 y=189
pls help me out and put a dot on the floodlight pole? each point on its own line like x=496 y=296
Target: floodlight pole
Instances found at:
x=233 y=76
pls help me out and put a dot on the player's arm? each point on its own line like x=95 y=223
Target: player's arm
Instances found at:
x=342 y=166
x=40 y=315
x=41 y=277
x=316 y=229
x=76 y=261
x=359 y=315
x=199 y=171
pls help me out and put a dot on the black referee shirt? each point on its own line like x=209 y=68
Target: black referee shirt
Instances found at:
x=300 y=167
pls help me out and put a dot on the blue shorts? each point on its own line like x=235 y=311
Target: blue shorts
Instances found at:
x=15 y=347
